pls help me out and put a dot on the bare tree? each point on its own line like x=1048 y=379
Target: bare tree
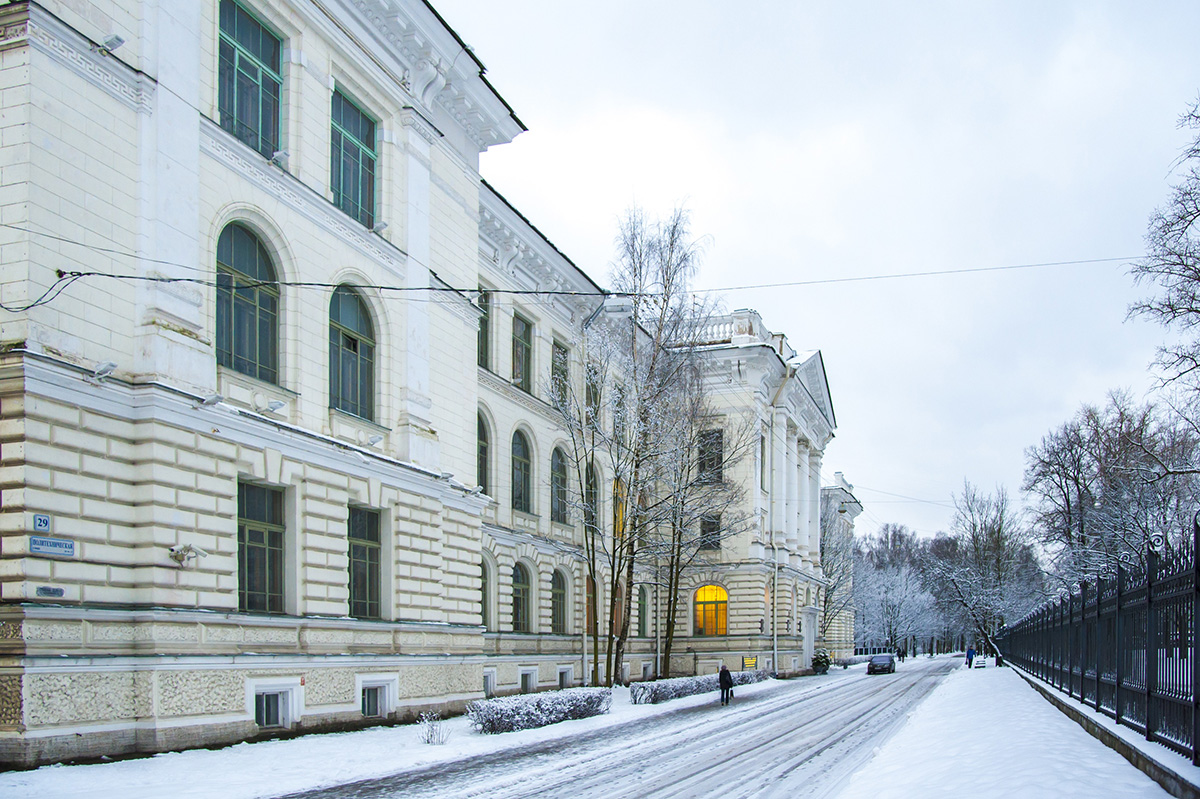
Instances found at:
x=837 y=566
x=1172 y=263
x=892 y=603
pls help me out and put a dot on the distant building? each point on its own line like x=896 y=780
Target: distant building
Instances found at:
x=839 y=509
x=276 y=451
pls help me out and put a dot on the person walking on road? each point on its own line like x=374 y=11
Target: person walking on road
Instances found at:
x=970 y=655
x=726 y=681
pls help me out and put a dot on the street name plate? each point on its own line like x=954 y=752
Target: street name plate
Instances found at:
x=63 y=548
x=46 y=590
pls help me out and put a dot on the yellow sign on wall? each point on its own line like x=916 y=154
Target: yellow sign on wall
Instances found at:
x=749 y=663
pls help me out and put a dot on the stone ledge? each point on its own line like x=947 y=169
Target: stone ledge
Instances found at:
x=1166 y=777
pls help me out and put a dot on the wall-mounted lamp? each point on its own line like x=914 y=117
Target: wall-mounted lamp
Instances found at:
x=274 y=406
x=108 y=45
x=379 y=227
x=280 y=158
x=373 y=440
x=185 y=553
x=209 y=401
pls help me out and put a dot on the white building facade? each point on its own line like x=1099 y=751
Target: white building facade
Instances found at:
x=275 y=445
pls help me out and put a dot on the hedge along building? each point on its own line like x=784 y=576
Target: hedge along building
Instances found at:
x=239 y=480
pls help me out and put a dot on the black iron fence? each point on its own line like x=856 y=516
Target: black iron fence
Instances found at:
x=1125 y=646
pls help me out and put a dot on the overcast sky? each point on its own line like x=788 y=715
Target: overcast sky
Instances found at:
x=817 y=141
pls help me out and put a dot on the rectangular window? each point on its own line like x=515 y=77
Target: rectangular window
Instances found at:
x=248 y=79
x=260 y=549
x=522 y=354
x=593 y=395
x=560 y=372
x=528 y=682
x=710 y=532
x=268 y=709
x=565 y=678
x=712 y=456
x=762 y=463
x=372 y=701
x=489 y=683
x=364 y=563
x=352 y=160
x=485 y=321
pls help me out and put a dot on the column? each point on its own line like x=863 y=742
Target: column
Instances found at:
x=814 y=509
x=803 y=498
x=778 y=478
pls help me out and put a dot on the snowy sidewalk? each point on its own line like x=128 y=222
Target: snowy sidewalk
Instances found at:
x=986 y=733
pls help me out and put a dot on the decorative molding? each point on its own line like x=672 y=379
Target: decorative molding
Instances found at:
x=224 y=149
x=412 y=119
x=51 y=37
x=496 y=383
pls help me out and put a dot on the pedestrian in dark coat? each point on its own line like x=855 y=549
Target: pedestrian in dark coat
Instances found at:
x=726 y=680
x=970 y=655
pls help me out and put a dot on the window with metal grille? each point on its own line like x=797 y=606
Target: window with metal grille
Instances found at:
x=520 y=597
x=352 y=159
x=522 y=496
x=484 y=349
x=248 y=79
x=559 y=495
x=558 y=604
x=260 y=549
x=711 y=611
x=522 y=353
x=351 y=355
x=364 y=563
x=247 y=305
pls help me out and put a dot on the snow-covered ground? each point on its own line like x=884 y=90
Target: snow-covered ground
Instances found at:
x=982 y=732
x=986 y=733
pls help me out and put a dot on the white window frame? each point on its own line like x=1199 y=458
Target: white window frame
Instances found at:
x=569 y=671
x=389 y=697
x=532 y=673
x=291 y=700
x=647 y=669
x=489 y=683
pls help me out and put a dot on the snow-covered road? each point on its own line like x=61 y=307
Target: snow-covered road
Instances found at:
x=793 y=739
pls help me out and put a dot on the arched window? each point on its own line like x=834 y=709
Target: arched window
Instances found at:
x=481 y=463
x=522 y=481
x=351 y=355
x=712 y=610
x=520 y=595
x=558 y=488
x=247 y=305
x=558 y=603
x=591 y=497
x=485 y=595
x=643 y=611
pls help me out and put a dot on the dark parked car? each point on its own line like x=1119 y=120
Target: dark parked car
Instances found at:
x=882 y=664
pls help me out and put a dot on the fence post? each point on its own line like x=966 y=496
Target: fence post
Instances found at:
x=1120 y=653
x=1151 y=644
x=1195 y=651
x=1099 y=637
x=1083 y=641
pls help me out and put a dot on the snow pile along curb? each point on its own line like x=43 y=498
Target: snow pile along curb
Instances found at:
x=523 y=712
x=651 y=693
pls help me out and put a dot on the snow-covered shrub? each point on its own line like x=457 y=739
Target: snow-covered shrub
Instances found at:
x=433 y=730
x=820 y=661
x=651 y=693
x=525 y=711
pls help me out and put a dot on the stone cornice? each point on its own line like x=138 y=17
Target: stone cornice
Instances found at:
x=234 y=155
x=32 y=26
x=546 y=546
x=430 y=63
x=510 y=392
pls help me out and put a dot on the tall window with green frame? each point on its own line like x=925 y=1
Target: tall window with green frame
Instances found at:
x=260 y=548
x=247 y=305
x=559 y=494
x=352 y=160
x=484 y=350
x=351 y=355
x=522 y=354
x=560 y=372
x=363 y=535
x=249 y=83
